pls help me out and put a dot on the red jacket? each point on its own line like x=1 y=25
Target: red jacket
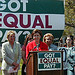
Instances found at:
x=43 y=47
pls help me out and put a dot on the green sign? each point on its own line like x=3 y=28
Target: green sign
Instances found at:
x=49 y=61
x=25 y=15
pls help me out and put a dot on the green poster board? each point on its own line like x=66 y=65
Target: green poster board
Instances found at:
x=49 y=61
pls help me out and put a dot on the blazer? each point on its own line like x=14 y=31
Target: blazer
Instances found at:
x=30 y=46
x=10 y=55
x=71 y=58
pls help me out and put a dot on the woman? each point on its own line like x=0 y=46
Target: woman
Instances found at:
x=36 y=44
x=27 y=40
x=68 y=42
x=71 y=61
x=48 y=39
x=11 y=54
x=68 y=48
x=60 y=44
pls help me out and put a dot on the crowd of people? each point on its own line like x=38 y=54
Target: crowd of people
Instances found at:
x=12 y=51
x=69 y=54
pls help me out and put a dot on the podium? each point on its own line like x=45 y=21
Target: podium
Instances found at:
x=45 y=63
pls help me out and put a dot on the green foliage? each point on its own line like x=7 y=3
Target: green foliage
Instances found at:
x=70 y=11
x=69 y=17
x=68 y=31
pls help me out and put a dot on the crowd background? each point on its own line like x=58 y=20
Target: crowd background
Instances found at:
x=68 y=41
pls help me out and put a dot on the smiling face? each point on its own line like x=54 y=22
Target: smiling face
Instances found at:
x=69 y=41
x=48 y=40
x=11 y=37
x=36 y=37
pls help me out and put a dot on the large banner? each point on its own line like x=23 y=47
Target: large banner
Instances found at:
x=25 y=15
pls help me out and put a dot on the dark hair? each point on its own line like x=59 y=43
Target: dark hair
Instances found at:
x=27 y=39
x=61 y=40
x=70 y=37
x=37 y=31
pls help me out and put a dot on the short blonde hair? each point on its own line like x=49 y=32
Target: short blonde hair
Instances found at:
x=46 y=35
x=9 y=32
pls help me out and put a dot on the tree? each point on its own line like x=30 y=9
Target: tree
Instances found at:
x=69 y=17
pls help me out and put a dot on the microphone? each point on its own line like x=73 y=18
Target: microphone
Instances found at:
x=33 y=48
x=36 y=47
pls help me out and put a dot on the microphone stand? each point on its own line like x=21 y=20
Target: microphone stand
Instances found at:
x=30 y=56
x=32 y=50
x=36 y=47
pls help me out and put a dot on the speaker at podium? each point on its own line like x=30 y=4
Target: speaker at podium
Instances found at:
x=45 y=63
